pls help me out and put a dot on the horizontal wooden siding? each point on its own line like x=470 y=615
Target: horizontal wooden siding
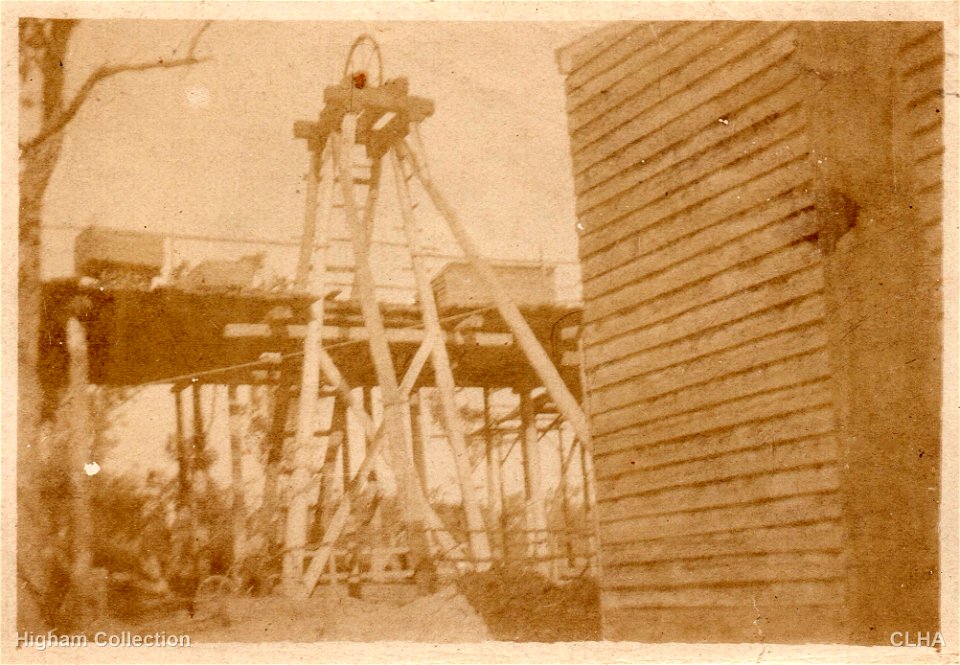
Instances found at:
x=705 y=346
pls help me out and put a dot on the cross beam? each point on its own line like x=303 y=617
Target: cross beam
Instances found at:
x=383 y=114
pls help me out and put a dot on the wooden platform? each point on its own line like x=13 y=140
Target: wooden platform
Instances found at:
x=168 y=335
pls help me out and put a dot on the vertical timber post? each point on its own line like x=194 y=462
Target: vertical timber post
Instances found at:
x=494 y=489
x=590 y=506
x=185 y=507
x=200 y=482
x=346 y=464
x=238 y=510
x=506 y=536
x=565 y=493
x=295 y=536
x=282 y=396
x=375 y=539
x=533 y=483
x=199 y=438
x=420 y=430
x=586 y=466
x=80 y=444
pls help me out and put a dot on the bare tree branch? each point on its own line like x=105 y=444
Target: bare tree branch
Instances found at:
x=60 y=120
x=197 y=36
x=56 y=37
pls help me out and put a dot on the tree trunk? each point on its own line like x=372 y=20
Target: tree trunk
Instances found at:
x=36 y=603
x=43 y=49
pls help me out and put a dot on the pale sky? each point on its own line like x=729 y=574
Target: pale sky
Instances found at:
x=209 y=149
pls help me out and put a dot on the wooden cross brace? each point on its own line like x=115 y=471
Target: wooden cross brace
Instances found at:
x=376 y=436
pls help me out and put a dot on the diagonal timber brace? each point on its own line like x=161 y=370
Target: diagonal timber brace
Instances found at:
x=376 y=436
x=450 y=416
x=538 y=358
x=394 y=402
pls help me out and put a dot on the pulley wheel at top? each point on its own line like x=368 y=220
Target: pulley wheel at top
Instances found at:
x=364 y=64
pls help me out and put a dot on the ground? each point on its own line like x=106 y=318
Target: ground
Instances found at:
x=499 y=605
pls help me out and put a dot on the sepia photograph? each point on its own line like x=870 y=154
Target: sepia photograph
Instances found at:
x=600 y=329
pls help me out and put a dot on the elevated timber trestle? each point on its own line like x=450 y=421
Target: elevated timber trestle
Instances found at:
x=316 y=337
